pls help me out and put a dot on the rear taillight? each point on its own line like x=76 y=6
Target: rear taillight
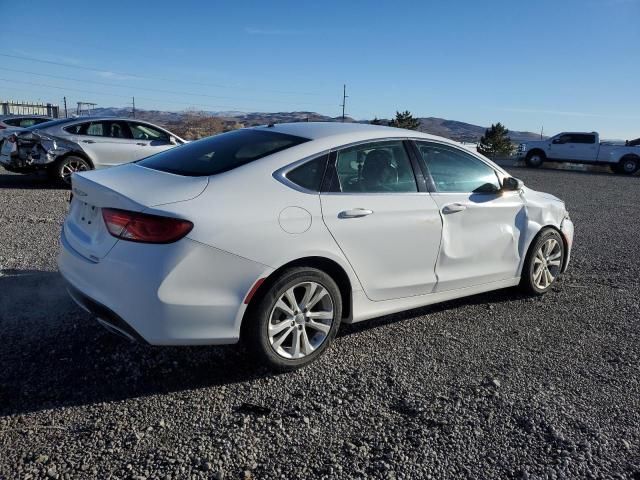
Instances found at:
x=141 y=227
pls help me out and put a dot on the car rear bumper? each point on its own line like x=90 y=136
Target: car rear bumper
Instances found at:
x=184 y=293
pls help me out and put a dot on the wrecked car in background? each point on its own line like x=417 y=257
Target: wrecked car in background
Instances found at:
x=62 y=147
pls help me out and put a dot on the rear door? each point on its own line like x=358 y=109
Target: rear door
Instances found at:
x=149 y=140
x=387 y=228
x=106 y=142
x=481 y=225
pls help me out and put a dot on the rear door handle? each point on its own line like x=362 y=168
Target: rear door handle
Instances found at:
x=355 y=213
x=453 y=208
x=88 y=141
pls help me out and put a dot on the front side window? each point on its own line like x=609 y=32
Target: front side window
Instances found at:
x=453 y=170
x=141 y=131
x=379 y=167
x=221 y=153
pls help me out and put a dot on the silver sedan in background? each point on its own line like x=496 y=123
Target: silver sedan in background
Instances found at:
x=62 y=147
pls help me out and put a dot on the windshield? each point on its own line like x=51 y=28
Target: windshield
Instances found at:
x=221 y=153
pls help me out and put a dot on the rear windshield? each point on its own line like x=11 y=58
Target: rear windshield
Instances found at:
x=221 y=153
x=50 y=123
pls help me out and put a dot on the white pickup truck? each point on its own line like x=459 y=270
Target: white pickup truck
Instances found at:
x=581 y=147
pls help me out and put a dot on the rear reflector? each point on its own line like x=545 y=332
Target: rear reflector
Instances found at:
x=145 y=228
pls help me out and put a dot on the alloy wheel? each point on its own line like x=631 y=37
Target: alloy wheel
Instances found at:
x=301 y=320
x=70 y=167
x=547 y=264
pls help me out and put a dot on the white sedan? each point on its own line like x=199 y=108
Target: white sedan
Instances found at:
x=276 y=235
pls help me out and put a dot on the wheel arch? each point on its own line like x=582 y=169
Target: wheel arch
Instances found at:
x=75 y=153
x=533 y=240
x=328 y=266
x=537 y=150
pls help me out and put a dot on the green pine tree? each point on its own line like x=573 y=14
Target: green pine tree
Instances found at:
x=375 y=121
x=405 y=120
x=495 y=141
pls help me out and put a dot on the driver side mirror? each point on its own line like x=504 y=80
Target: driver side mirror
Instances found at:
x=173 y=140
x=512 y=184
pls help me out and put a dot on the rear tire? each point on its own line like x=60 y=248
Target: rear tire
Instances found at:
x=628 y=165
x=295 y=319
x=543 y=263
x=61 y=170
x=535 y=159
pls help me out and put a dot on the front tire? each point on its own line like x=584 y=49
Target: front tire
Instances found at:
x=535 y=159
x=543 y=263
x=62 y=169
x=295 y=320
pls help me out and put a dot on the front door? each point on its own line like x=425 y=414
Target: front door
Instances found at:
x=149 y=140
x=481 y=225
x=388 y=230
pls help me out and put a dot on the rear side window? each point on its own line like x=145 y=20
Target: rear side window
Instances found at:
x=221 y=153
x=309 y=174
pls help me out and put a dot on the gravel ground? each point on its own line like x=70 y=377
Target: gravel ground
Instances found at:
x=497 y=385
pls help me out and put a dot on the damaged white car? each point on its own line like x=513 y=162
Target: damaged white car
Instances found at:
x=276 y=235
x=62 y=147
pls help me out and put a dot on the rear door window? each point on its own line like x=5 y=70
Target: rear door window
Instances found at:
x=377 y=167
x=221 y=153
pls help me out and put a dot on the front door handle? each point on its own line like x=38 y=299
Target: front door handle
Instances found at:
x=355 y=213
x=141 y=144
x=88 y=141
x=453 y=208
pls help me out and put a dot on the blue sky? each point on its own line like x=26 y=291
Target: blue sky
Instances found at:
x=564 y=64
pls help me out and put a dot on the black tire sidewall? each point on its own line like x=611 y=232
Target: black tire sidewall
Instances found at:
x=628 y=172
x=533 y=164
x=527 y=271
x=257 y=329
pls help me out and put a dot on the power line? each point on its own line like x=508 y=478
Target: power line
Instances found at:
x=103 y=70
x=22 y=82
x=173 y=92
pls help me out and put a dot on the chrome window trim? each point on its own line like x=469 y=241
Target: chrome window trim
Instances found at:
x=281 y=174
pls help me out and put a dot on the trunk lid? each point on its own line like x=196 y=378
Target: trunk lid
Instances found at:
x=129 y=187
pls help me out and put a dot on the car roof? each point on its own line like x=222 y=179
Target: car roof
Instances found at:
x=23 y=115
x=339 y=131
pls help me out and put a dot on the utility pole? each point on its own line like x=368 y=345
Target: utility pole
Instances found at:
x=134 y=106
x=344 y=99
x=542 y=132
x=65 y=107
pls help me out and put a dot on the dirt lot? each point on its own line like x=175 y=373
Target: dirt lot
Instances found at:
x=497 y=385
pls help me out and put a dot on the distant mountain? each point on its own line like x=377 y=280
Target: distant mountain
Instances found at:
x=466 y=132
x=453 y=129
